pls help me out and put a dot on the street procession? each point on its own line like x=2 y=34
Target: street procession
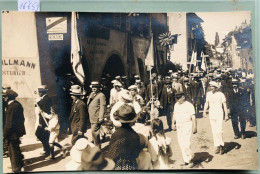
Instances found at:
x=146 y=107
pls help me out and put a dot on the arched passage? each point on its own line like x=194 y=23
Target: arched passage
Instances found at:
x=114 y=66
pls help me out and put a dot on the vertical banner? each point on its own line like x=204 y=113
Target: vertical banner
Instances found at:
x=75 y=51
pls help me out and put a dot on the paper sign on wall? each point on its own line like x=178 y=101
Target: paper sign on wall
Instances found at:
x=56 y=25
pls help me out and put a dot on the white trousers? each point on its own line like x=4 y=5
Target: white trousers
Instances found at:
x=216 y=128
x=184 y=131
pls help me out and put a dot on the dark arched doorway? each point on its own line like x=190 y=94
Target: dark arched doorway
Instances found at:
x=114 y=66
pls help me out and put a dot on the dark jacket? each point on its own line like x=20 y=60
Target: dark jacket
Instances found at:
x=78 y=117
x=239 y=101
x=167 y=98
x=45 y=105
x=14 y=121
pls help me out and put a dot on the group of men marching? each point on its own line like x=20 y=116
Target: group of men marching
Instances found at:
x=220 y=92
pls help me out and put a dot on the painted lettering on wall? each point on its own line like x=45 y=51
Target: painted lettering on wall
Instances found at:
x=96 y=43
x=13 y=73
x=16 y=62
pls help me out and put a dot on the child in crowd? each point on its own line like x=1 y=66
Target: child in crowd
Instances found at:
x=152 y=108
x=54 y=129
x=159 y=146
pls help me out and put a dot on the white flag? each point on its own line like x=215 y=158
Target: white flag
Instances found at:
x=203 y=62
x=75 y=51
x=149 y=60
x=193 y=58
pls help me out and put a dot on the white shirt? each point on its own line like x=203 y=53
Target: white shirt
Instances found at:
x=183 y=112
x=215 y=104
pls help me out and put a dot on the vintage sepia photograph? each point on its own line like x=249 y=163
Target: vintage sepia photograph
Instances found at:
x=85 y=91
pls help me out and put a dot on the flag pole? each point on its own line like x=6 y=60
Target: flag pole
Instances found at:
x=152 y=104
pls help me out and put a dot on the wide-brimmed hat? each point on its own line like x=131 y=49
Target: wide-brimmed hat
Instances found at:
x=125 y=114
x=132 y=87
x=94 y=84
x=42 y=88
x=93 y=159
x=76 y=90
x=77 y=149
x=10 y=93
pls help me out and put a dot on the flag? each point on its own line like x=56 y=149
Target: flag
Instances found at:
x=193 y=58
x=149 y=60
x=203 y=62
x=75 y=51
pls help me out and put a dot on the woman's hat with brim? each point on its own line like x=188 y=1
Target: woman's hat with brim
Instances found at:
x=93 y=159
x=125 y=114
x=77 y=149
x=77 y=90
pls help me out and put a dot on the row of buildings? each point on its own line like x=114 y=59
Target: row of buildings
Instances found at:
x=36 y=49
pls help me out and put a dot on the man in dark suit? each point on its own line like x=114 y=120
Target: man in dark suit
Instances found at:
x=167 y=101
x=78 y=115
x=204 y=86
x=141 y=90
x=43 y=112
x=96 y=108
x=237 y=106
x=187 y=89
x=14 y=129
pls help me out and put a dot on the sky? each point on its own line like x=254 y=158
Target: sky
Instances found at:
x=221 y=22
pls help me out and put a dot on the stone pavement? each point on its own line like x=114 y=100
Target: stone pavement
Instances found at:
x=239 y=154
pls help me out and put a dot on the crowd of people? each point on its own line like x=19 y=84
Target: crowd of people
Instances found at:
x=130 y=114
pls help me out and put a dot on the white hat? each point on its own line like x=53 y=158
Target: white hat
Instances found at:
x=118 y=84
x=215 y=84
x=77 y=90
x=125 y=95
x=77 y=149
x=132 y=87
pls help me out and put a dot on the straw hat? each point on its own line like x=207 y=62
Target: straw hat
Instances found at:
x=76 y=90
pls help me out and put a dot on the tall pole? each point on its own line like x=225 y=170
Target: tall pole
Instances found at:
x=152 y=104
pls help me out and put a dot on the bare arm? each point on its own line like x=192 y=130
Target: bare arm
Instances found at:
x=206 y=106
x=194 y=124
